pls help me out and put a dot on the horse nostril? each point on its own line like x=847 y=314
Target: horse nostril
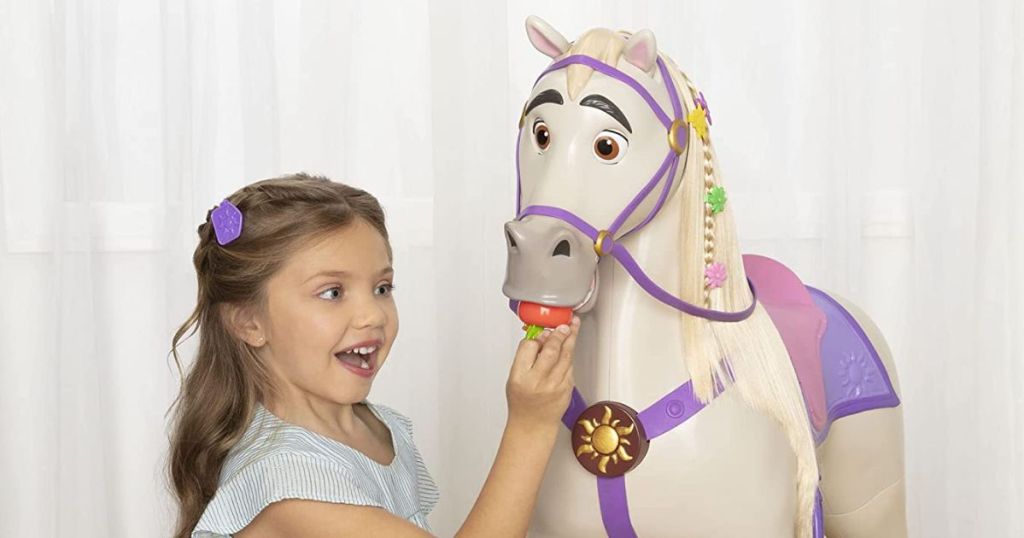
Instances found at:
x=511 y=242
x=562 y=249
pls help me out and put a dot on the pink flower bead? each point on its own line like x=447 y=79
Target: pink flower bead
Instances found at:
x=715 y=275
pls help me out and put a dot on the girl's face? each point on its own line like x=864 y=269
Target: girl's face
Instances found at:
x=330 y=318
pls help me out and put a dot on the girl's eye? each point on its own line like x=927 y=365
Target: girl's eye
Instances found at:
x=385 y=289
x=332 y=293
x=541 y=135
x=610 y=147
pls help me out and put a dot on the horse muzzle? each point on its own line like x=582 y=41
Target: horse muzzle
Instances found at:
x=549 y=263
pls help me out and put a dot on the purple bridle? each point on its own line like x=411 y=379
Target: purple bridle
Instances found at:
x=681 y=404
x=604 y=242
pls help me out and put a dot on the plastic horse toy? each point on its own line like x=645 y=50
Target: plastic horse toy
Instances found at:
x=716 y=394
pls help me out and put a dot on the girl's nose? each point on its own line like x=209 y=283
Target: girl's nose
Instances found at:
x=370 y=314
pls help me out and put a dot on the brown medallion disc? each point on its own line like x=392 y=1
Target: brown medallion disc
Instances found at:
x=608 y=439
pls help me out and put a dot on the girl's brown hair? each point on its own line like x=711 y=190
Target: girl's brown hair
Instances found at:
x=227 y=379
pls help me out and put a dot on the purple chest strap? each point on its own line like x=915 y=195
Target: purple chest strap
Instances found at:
x=670 y=411
x=662 y=416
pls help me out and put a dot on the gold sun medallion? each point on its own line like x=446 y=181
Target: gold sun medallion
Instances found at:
x=608 y=440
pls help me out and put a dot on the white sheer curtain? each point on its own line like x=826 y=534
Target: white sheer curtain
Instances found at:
x=876 y=148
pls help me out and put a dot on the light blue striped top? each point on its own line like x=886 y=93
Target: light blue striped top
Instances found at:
x=276 y=460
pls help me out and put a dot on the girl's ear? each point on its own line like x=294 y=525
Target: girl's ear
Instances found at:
x=244 y=324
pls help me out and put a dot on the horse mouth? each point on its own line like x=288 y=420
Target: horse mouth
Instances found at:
x=590 y=299
x=584 y=305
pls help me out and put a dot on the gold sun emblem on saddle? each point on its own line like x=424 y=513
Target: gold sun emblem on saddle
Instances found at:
x=610 y=445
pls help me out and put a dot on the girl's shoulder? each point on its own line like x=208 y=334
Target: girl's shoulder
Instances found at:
x=276 y=460
x=393 y=419
x=270 y=438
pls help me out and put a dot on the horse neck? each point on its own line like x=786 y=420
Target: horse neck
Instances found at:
x=632 y=352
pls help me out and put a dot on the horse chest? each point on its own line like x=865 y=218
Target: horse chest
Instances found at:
x=725 y=472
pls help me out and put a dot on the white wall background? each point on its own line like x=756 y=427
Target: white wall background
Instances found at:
x=875 y=147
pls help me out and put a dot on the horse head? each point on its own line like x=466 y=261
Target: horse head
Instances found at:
x=603 y=145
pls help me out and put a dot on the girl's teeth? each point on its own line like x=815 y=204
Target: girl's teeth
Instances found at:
x=365 y=365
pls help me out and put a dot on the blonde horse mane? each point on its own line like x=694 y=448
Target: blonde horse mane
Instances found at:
x=749 y=355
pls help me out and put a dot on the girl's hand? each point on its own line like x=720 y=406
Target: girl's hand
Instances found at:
x=540 y=384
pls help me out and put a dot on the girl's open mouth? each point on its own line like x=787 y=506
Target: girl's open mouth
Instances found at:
x=360 y=360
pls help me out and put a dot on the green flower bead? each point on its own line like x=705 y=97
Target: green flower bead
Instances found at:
x=716 y=198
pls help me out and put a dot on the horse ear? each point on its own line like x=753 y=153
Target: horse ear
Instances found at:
x=641 y=50
x=545 y=38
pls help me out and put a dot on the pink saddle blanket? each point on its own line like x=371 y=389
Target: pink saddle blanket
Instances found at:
x=801 y=324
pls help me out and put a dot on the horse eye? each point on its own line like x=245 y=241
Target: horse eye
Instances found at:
x=609 y=147
x=542 y=135
x=606 y=148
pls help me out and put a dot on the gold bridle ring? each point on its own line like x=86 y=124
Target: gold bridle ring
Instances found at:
x=601 y=236
x=673 y=137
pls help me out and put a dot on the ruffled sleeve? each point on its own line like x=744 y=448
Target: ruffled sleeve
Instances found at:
x=427 y=491
x=281 y=476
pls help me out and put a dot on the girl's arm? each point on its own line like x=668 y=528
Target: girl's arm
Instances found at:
x=538 y=392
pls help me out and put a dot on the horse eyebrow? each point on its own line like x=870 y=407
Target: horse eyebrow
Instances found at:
x=546 y=96
x=605 y=105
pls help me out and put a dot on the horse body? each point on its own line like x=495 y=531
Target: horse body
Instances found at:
x=726 y=472
x=737 y=467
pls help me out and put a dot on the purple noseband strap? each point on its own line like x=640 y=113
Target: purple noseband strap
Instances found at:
x=619 y=252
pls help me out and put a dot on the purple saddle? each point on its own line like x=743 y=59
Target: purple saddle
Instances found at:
x=839 y=370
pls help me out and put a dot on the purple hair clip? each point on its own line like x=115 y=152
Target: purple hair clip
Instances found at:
x=227 y=222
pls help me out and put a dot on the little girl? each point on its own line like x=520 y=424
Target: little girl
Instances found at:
x=273 y=434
